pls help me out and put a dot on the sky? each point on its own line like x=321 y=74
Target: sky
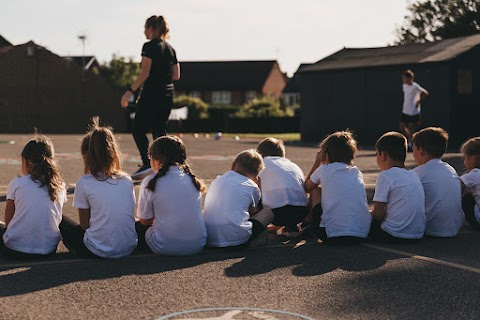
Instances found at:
x=290 y=31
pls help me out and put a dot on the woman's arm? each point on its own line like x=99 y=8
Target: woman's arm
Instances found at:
x=84 y=216
x=176 y=72
x=145 y=67
x=9 y=211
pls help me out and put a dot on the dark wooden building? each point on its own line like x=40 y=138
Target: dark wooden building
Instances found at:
x=230 y=82
x=43 y=90
x=361 y=89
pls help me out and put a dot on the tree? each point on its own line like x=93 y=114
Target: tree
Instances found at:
x=433 y=20
x=120 y=72
x=263 y=107
x=197 y=108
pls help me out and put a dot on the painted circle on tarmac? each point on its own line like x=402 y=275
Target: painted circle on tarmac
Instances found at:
x=234 y=314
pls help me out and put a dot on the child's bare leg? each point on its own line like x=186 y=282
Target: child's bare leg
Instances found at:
x=264 y=216
x=316 y=196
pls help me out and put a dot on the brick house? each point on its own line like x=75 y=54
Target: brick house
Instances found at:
x=230 y=82
x=39 y=89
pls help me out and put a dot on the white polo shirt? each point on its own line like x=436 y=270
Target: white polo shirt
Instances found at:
x=471 y=180
x=282 y=183
x=176 y=206
x=226 y=209
x=403 y=193
x=344 y=200
x=112 y=223
x=411 y=95
x=34 y=226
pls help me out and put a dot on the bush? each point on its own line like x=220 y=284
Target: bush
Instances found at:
x=221 y=111
x=263 y=107
x=197 y=108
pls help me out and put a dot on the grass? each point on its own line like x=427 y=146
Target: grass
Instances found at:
x=292 y=136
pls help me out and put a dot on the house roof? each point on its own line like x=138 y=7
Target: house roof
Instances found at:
x=89 y=60
x=293 y=84
x=224 y=75
x=4 y=42
x=438 y=51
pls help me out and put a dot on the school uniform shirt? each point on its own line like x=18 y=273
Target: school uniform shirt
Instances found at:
x=34 y=226
x=344 y=200
x=226 y=209
x=443 y=198
x=411 y=95
x=111 y=202
x=282 y=183
x=176 y=206
x=471 y=180
x=403 y=193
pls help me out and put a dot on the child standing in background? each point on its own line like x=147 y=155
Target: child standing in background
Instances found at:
x=34 y=204
x=170 y=203
x=105 y=200
x=231 y=205
x=471 y=181
x=282 y=186
x=337 y=191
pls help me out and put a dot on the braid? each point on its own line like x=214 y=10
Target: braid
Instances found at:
x=197 y=182
x=161 y=172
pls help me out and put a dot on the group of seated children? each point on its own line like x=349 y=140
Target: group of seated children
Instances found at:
x=262 y=188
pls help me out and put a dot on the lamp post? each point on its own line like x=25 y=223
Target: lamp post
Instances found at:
x=82 y=38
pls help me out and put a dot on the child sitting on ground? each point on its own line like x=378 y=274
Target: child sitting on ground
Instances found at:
x=337 y=191
x=231 y=204
x=282 y=185
x=443 y=200
x=34 y=204
x=399 y=201
x=170 y=203
x=471 y=181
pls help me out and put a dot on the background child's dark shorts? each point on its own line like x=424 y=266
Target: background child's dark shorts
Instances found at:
x=409 y=119
x=289 y=216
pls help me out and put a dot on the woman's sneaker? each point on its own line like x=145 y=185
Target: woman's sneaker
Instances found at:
x=142 y=172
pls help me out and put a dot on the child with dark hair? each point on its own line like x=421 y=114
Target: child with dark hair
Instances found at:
x=443 y=204
x=337 y=191
x=399 y=201
x=282 y=185
x=34 y=204
x=170 y=203
x=231 y=205
x=471 y=181
x=105 y=200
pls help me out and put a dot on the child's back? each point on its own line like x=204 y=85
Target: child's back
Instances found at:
x=226 y=209
x=443 y=206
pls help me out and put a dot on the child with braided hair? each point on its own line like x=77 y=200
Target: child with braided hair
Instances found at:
x=34 y=204
x=170 y=203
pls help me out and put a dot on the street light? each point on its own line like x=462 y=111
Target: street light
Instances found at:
x=82 y=38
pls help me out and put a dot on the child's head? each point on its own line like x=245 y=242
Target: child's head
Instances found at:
x=408 y=76
x=271 y=147
x=391 y=150
x=249 y=163
x=169 y=151
x=429 y=143
x=338 y=147
x=38 y=161
x=471 y=153
x=100 y=151
x=156 y=27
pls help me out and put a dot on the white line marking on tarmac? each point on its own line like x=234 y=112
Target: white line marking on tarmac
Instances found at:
x=423 y=258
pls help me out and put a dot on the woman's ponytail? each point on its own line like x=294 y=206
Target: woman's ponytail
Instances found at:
x=197 y=182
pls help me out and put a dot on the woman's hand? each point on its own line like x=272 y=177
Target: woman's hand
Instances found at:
x=125 y=98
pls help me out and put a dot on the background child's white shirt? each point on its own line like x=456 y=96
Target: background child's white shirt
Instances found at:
x=471 y=180
x=112 y=222
x=226 y=209
x=344 y=200
x=34 y=226
x=403 y=193
x=443 y=198
x=411 y=95
x=176 y=206
x=282 y=183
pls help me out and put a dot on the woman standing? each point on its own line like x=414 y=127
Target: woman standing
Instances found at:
x=159 y=67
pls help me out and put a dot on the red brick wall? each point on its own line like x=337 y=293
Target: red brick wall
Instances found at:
x=275 y=82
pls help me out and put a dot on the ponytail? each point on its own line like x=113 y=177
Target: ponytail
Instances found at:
x=153 y=183
x=197 y=182
x=160 y=27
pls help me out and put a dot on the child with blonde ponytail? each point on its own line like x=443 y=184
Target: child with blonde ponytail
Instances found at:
x=34 y=204
x=170 y=203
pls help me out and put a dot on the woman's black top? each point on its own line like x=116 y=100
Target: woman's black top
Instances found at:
x=163 y=58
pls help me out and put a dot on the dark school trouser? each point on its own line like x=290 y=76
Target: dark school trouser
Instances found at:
x=72 y=237
x=377 y=234
x=151 y=115
x=289 y=216
x=468 y=206
x=17 y=254
x=141 y=229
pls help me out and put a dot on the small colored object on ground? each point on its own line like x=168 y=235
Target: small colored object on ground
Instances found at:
x=180 y=135
x=236 y=138
x=7 y=141
x=195 y=135
x=218 y=136
x=206 y=135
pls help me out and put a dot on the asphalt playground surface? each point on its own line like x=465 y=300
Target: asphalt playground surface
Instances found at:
x=435 y=279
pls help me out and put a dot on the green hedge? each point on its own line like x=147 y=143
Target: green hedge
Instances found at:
x=197 y=108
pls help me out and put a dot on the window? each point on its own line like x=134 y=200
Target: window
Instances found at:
x=221 y=97
x=196 y=94
x=250 y=95
x=464 y=81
